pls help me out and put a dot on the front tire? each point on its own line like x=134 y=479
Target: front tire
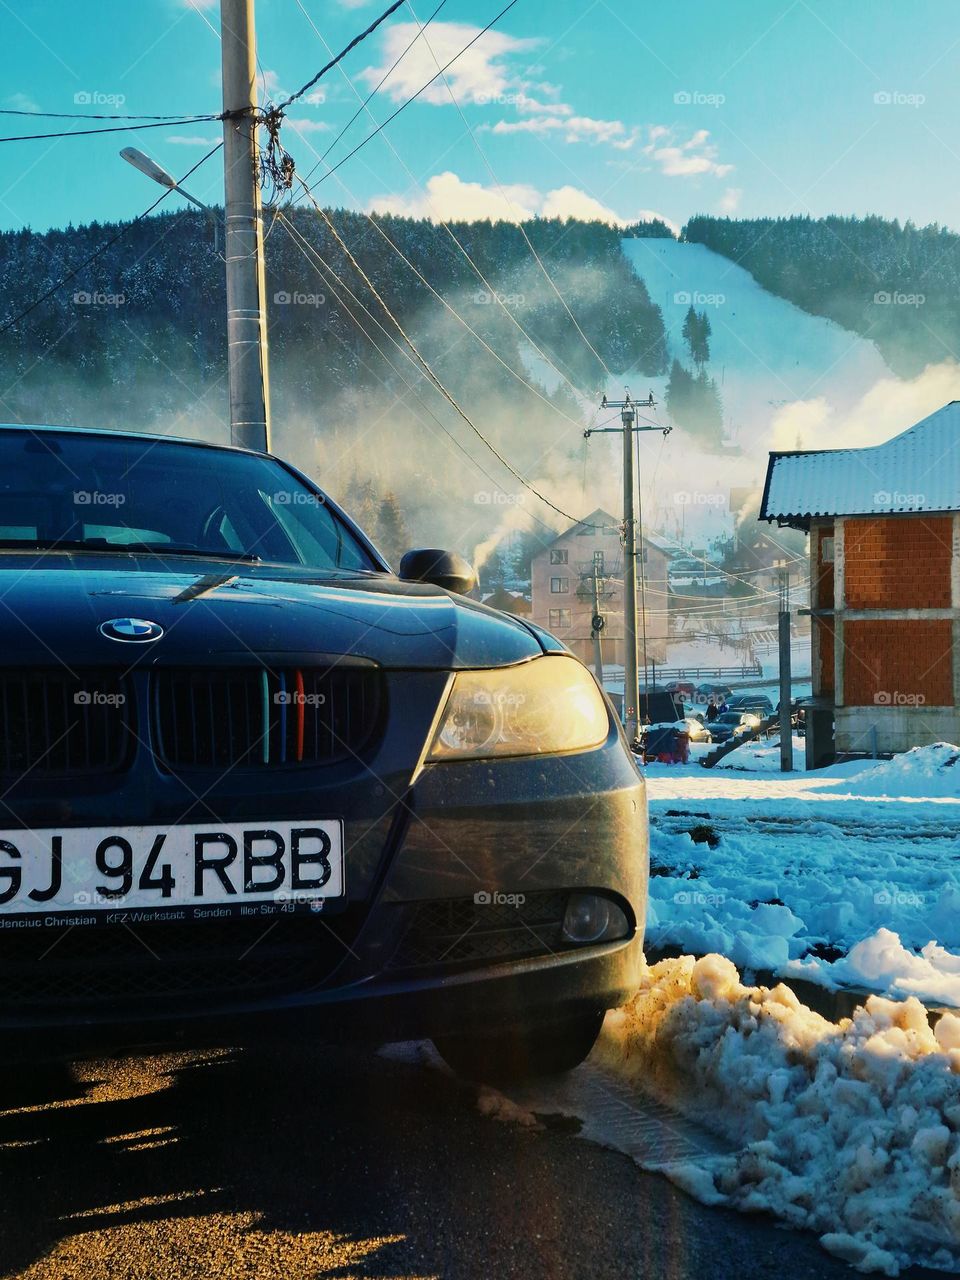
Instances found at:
x=513 y=1054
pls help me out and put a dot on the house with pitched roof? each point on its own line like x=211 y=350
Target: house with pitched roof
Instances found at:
x=562 y=589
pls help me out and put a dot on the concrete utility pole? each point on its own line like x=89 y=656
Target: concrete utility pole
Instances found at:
x=631 y=675
x=246 y=288
x=786 y=717
x=597 y=622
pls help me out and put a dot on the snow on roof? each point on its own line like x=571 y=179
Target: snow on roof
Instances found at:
x=918 y=470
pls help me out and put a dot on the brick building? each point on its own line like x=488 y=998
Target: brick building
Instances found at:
x=562 y=589
x=884 y=581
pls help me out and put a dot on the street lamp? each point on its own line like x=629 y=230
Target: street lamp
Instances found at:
x=158 y=174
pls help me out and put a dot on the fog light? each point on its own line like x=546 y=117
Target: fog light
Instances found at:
x=590 y=918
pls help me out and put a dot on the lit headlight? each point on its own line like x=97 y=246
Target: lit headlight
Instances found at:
x=538 y=708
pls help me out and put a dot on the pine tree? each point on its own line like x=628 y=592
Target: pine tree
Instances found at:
x=392 y=537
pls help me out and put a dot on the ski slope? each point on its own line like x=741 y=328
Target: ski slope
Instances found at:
x=764 y=351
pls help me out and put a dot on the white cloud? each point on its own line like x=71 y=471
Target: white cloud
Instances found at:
x=685 y=159
x=300 y=125
x=449 y=198
x=478 y=75
x=20 y=102
x=730 y=200
x=190 y=140
x=572 y=128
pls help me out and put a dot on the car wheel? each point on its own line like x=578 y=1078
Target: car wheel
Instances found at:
x=518 y=1053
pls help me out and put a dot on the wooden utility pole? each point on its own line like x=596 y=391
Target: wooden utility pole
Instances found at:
x=598 y=622
x=631 y=675
x=246 y=288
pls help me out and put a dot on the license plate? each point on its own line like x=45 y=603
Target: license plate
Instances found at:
x=97 y=874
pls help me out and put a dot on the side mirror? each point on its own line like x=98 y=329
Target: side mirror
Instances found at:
x=444 y=569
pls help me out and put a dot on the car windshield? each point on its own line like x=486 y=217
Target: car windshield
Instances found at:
x=96 y=493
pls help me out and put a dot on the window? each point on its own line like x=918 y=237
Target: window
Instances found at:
x=560 y=618
x=559 y=557
x=559 y=586
x=826 y=550
x=598 y=563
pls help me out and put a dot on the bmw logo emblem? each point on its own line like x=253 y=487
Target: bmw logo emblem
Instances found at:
x=133 y=630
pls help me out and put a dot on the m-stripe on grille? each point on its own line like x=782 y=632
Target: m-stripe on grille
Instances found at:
x=261 y=717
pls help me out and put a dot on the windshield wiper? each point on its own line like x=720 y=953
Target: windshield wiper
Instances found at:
x=101 y=545
x=175 y=549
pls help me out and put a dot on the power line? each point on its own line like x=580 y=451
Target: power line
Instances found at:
x=494 y=293
x=376 y=88
x=358 y=39
x=122 y=128
x=98 y=253
x=536 y=256
x=430 y=373
x=413 y=97
x=89 y=115
x=308 y=249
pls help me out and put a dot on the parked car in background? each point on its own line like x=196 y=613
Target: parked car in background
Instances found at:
x=732 y=724
x=758 y=703
x=685 y=687
x=718 y=692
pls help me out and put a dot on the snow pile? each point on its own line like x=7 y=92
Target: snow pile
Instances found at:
x=882 y=961
x=921 y=772
x=851 y=1130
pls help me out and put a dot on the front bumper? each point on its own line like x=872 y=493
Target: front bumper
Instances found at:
x=533 y=827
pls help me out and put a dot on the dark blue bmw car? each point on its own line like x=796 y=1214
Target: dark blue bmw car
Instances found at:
x=253 y=781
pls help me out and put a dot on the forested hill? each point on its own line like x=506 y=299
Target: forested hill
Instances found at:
x=140 y=334
x=897 y=284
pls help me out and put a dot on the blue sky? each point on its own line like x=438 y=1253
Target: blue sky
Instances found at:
x=749 y=107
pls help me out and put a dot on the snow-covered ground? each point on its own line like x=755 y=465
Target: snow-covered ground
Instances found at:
x=847 y=876
x=849 y=1129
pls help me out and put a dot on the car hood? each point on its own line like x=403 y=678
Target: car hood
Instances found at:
x=51 y=610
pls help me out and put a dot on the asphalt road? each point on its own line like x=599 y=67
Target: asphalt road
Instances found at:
x=325 y=1162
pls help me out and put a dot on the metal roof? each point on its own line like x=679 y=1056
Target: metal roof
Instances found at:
x=918 y=470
